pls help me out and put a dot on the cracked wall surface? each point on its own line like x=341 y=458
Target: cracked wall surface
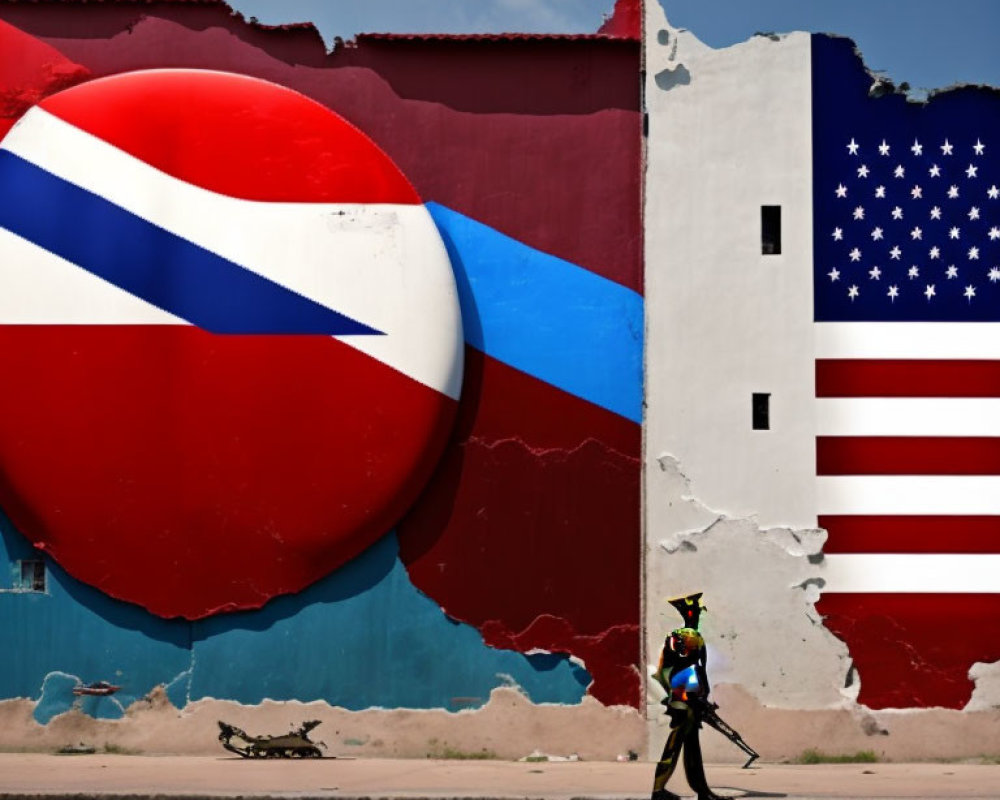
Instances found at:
x=732 y=510
x=490 y=581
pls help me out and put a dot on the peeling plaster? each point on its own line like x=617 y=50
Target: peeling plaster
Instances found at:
x=986 y=695
x=508 y=725
x=668 y=79
x=751 y=578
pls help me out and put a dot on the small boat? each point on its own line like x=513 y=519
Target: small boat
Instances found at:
x=100 y=688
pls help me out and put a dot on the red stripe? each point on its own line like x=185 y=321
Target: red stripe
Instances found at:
x=192 y=473
x=878 y=378
x=914 y=649
x=940 y=534
x=907 y=455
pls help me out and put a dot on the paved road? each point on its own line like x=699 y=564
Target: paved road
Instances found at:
x=202 y=776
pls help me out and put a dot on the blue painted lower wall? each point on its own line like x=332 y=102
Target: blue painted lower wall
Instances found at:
x=363 y=637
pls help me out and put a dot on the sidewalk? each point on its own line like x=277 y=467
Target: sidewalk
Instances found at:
x=205 y=776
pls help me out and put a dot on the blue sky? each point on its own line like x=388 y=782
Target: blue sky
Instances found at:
x=927 y=43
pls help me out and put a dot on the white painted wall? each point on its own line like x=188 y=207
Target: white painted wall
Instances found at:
x=724 y=321
x=730 y=511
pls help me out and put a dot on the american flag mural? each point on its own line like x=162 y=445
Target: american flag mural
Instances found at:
x=907 y=294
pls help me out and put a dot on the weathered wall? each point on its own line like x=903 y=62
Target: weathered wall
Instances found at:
x=491 y=580
x=734 y=511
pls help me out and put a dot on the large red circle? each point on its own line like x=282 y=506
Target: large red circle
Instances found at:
x=193 y=472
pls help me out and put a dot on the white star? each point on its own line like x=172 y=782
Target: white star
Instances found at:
x=880 y=191
x=917 y=148
x=934 y=171
x=863 y=171
x=841 y=191
x=859 y=213
x=994 y=233
x=952 y=271
x=952 y=192
x=934 y=252
x=993 y=192
x=834 y=274
x=973 y=254
x=946 y=148
x=935 y=213
x=953 y=233
x=913 y=272
x=916 y=192
x=979 y=147
x=899 y=172
x=893 y=293
x=895 y=253
x=897 y=213
x=876 y=233
x=929 y=291
x=916 y=233
x=974 y=212
x=838 y=234
x=972 y=170
x=883 y=149
x=875 y=273
x=853 y=292
x=970 y=292
x=994 y=275
x=855 y=254
x=852 y=147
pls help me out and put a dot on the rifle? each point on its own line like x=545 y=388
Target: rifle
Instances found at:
x=706 y=712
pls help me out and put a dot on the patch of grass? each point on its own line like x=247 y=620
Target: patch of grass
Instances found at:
x=118 y=750
x=814 y=756
x=447 y=752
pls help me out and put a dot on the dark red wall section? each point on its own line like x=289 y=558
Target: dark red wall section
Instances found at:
x=529 y=530
x=473 y=122
x=915 y=650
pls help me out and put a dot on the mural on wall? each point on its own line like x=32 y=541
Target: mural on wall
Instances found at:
x=254 y=369
x=819 y=376
x=907 y=243
x=235 y=365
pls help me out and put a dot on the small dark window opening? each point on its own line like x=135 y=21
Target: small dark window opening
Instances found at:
x=32 y=575
x=770 y=230
x=761 y=412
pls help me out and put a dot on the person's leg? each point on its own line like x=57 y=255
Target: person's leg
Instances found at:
x=694 y=767
x=680 y=726
x=667 y=763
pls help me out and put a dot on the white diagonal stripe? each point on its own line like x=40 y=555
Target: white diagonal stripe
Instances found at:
x=381 y=264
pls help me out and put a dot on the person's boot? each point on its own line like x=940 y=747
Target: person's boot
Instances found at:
x=663 y=794
x=710 y=796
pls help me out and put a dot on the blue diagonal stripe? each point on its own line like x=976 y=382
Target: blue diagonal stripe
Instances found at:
x=547 y=317
x=154 y=264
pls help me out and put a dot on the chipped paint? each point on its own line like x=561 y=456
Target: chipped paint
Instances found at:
x=553 y=434
x=508 y=725
x=760 y=590
x=731 y=511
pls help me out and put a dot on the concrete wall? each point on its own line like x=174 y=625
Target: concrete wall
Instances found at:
x=478 y=621
x=732 y=511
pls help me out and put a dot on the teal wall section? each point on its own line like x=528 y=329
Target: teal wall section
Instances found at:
x=362 y=637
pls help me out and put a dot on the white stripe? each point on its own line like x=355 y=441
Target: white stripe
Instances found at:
x=907 y=416
x=918 y=495
x=924 y=573
x=32 y=276
x=908 y=340
x=381 y=264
